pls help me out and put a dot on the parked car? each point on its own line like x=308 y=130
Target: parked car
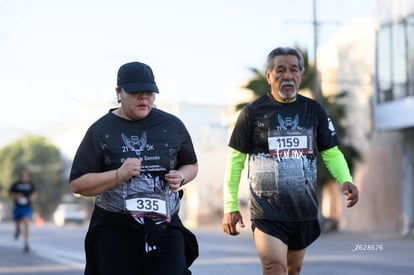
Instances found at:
x=70 y=213
x=5 y=212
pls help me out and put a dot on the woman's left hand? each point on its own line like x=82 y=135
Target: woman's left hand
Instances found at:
x=174 y=179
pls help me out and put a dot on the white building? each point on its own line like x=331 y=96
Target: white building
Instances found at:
x=393 y=105
x=374 y=61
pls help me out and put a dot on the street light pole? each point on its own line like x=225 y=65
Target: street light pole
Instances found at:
x=316 y=90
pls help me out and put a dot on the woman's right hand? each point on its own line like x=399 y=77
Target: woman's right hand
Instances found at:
x=130 y=168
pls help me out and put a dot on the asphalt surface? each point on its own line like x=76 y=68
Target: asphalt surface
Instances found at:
x=334 y=253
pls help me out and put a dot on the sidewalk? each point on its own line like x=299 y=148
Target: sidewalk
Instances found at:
x=14 y=261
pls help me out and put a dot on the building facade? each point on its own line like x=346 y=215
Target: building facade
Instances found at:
x=393 y=101
x=373 y=61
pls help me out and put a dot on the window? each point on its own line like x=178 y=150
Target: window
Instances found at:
x=398 y=57
x=395 y=60
x=384 y=64
x=410 y=46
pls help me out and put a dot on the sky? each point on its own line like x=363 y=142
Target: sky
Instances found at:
x=59 y=58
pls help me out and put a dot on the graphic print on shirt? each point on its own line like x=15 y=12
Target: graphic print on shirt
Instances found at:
x=135 y=143
x=282 y=187
x=151 y=165
x=287 y=122
x=25 y=189
x=148 y=192
x=331 y=127
x=286 y=174
x=289 y=139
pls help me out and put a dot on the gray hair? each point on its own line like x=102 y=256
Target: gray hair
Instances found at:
x=284 y=51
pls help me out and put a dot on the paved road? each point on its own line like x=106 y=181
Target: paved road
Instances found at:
x=59 y=251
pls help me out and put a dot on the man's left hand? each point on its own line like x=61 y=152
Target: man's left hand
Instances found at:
x=351 y=192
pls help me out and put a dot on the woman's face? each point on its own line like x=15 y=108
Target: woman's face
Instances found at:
x=137 y=105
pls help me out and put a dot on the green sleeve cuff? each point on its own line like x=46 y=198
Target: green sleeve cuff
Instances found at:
x=337 y=165
x=234 y=168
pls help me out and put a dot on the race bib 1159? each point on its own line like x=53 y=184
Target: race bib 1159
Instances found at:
x=290 y=142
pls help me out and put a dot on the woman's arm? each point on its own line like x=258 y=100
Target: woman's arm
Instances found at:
x=92 y=184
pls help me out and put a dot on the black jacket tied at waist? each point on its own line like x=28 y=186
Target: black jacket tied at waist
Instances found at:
x=101 y=217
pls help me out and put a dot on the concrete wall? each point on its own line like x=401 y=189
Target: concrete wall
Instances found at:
x=379 y=179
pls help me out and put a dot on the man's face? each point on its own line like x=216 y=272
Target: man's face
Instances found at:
x=285 y=77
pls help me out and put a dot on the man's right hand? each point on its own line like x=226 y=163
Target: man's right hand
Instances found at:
x=229 y=222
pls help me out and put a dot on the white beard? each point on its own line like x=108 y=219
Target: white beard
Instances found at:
x=284 y=96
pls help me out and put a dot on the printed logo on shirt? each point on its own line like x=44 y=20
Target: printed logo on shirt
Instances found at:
x=140 y=146
x=136 y=144
x=286 y=123
x=331 y=127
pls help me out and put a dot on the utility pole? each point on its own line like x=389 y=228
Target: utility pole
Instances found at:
x=316 y=87
x=316 y=23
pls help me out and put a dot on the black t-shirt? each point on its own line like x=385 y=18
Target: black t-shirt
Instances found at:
x=26 y=189
x=161 y=140
x=282 y=140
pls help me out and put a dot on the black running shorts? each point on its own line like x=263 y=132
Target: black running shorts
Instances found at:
x=296 y=235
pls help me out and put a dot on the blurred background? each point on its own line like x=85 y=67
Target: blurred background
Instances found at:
x=58 y=74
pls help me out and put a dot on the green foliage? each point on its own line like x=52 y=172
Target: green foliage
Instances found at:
x=337 y=112
x=257 y=85
x=45 y=166
x=308 y=77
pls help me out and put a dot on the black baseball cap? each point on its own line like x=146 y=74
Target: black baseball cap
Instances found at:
x=135 y=77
